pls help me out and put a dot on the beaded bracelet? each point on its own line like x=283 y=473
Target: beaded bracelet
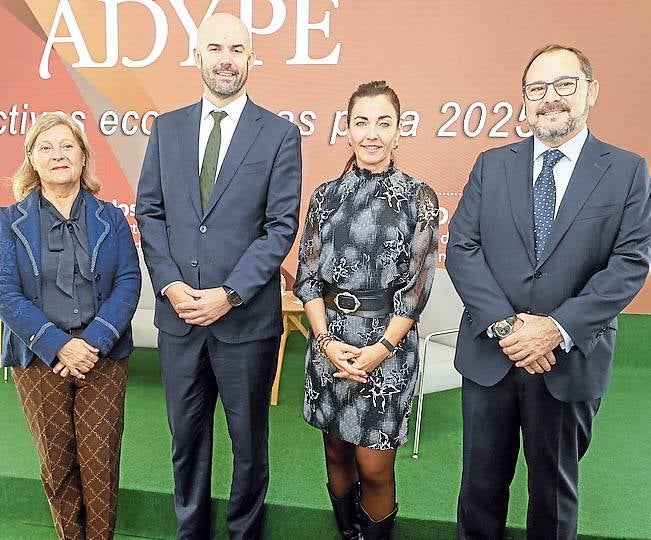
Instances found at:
x=323 y=339
x=324 y=345
x=320 y=337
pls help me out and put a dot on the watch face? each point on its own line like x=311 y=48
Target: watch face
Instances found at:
x=502 y=329
x=234 y=299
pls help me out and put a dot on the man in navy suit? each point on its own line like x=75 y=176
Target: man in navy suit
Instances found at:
x=218 y=203
x=551 y=240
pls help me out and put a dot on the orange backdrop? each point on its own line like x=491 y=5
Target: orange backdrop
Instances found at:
x=455 y=65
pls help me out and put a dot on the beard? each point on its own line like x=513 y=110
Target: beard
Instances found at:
x=223 y=89
x=553 y=133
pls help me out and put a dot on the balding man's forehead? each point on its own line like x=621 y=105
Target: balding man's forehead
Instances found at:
x=552 y=63
x=223 y=29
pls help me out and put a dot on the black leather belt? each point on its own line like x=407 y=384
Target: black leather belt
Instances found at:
x=360 y=303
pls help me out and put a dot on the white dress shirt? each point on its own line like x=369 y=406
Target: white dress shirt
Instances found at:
x=565 y=167
x=562 y=173
x=228 y=124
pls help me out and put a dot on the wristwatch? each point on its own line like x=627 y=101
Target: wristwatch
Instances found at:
x=233 y=298
x=504 y=327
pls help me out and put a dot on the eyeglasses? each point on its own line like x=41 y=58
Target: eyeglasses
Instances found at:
x=564 y=86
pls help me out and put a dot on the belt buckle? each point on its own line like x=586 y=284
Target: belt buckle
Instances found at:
x=347 y=295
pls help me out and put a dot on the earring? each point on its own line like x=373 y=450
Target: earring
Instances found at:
x=350 y=143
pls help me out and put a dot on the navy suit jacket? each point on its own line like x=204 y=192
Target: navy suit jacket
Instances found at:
x=114 y=263
x=246 y=230
x=594 y=263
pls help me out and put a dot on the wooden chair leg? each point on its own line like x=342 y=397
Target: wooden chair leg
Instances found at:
x=298 y=325
x=279 y=368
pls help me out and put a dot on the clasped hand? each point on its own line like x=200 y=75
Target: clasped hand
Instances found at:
x=76 y=358
x=531 y=343
x=355 y=363
x=198 y=306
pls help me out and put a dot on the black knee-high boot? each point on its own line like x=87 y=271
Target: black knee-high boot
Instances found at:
x=376 y=530
x=347 y=512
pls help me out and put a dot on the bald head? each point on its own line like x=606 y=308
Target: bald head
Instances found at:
x=224 y=56
x=222 y=27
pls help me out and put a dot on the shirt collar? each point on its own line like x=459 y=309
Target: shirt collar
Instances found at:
x=233 y=109
x=75 y=211
x=571 y=149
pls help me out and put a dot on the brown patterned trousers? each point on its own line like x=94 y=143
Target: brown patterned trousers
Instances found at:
x=77 y=426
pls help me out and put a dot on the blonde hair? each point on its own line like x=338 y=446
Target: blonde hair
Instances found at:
x=26 y=179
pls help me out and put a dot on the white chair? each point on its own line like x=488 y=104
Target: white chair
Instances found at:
x=145 y=334
x=437 y=329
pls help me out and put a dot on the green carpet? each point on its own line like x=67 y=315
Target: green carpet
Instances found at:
x=615 y=474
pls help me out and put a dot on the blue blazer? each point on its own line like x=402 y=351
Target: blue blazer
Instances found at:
x=248 y=227
x=595 y=261
x=114 y=263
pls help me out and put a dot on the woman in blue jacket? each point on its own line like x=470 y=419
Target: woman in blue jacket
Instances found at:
x=69 y=286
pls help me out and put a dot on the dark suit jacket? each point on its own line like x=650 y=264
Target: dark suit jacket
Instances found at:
x=247 y=229
x=114 y=263
x=594 y=263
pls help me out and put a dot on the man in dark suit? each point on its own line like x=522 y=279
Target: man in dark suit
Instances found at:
x=549 y=243
x=218 y=203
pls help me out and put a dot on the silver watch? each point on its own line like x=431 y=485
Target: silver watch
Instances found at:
x=504 y=327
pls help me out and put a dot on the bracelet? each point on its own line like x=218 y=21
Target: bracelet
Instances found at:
x=324 y=346
x=388 y=345
x=322 y=340
x=320 y=336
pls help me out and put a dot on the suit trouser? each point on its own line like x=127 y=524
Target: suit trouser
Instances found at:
x=77 y=426
x=555 y=436
x=196 y=368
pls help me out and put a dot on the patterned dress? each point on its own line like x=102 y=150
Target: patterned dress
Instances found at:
x=367 y=231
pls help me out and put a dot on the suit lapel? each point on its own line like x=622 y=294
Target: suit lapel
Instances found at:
x=28 y=229
x=245 y=134
x=519 y=182
x=593 y=162
x=188 y=141
x=97 y=228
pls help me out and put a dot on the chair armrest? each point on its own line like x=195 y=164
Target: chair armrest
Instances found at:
x=431 y=335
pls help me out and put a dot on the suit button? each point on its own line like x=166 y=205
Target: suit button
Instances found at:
x=203 y=229
x=99 y=297
x=194 y=263
x=75 y=311
x=98 y=277
x=538 y=274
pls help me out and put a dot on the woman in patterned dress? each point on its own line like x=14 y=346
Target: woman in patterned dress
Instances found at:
x=366 y=265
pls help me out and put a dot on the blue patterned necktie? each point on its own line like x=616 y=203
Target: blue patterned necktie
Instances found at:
x=544 y=200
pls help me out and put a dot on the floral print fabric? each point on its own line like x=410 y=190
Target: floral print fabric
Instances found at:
x=367 y=231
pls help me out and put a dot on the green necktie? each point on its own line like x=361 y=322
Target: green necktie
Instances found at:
x=210 y=159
